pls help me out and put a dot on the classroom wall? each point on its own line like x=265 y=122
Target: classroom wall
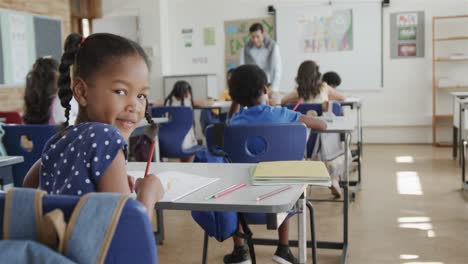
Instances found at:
x=151 y=24
x=11 y=98
x=400 y=112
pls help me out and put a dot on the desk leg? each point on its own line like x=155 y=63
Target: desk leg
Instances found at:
x=359 y=123
x=460 y=131
x=346 y=196
x=301 y=227
x=454 y=143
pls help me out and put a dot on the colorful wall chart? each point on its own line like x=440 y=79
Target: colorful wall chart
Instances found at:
x=407 y=35
x=327 y=33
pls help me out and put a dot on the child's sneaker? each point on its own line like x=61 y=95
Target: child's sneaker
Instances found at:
x=283 y=255
x=239 y=255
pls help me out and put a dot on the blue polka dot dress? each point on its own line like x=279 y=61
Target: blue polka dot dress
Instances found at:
x=73 y=164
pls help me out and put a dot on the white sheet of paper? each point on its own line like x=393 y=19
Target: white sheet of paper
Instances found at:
x=177 y=184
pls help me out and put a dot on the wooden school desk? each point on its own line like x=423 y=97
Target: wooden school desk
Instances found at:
x=242 y=200
x=344 y=125
x=6 y=169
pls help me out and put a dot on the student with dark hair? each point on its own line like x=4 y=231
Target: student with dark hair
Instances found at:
x=332 y=79
x=108 y=75
x=225 y=93
x=181 y=95
x=310 y=87
x=247 y=87
x=41 y=103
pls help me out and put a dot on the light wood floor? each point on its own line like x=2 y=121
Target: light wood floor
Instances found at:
x=404 y=213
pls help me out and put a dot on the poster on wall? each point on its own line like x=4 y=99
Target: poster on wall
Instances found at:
x=209 y=36
x=327 y=33
x=187 y=37
x=237 y=35
x=407 y=35
x=19 y=48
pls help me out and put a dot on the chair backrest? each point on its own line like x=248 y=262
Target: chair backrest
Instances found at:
x=133 y=240
x=38 y=134
x=305 y=107
x=172 y=133
x=11 y=117
x=254 y=143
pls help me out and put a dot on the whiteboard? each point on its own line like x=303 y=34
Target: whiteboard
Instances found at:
x=360 y=67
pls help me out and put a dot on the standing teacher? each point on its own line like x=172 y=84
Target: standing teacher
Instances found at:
x=263 y=52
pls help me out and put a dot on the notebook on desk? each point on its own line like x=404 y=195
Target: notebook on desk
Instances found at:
x=290 y=172
x=177 y=184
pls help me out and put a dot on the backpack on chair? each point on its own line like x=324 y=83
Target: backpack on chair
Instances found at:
x=29 y=236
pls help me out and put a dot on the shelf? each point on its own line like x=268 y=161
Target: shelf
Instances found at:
x=452 y=38
x=443 y=144
x=443 y=120
x=450 y=17
x=449 y=60
x=452 y=87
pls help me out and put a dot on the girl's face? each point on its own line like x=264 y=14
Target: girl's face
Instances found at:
x=117 y=96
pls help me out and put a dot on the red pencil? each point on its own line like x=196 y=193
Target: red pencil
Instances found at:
x=150 y=157
x=298 y=103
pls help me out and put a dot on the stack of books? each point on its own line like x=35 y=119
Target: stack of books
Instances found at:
x=290 y=172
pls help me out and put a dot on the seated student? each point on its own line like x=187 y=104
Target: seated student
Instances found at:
x=248 y=87
x=313 y=90
x=181 y=95
x=41 y=102
x=214 y=116
x=332 y=79
x=109 y=79
x=310 y=87
x=224 y=96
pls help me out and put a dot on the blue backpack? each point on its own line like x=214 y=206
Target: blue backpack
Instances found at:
x=220 y=225
x=29 y=236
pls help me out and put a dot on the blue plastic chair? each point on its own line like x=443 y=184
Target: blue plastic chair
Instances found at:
x=133 y=240
x=305 y=107
x=38 y=134
x=172 y=133
x=255 y=143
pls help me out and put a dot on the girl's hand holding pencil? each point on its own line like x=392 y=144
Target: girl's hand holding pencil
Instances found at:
x=149 y=188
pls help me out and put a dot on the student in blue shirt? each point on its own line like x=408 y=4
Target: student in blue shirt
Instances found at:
x=248 y=87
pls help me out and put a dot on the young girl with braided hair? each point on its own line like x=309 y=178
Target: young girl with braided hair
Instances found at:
x=108 y=76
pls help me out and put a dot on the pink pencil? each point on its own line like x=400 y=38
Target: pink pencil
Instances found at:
x=298 y=103
x=239 y=186
x=266 y=195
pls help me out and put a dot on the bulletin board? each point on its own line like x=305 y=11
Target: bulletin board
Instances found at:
x=237 y=35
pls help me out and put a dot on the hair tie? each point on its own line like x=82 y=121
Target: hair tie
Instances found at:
x=82 y=40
